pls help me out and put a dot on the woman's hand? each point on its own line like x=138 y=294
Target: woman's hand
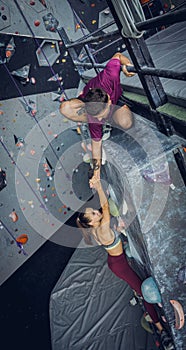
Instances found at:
x=95 y=182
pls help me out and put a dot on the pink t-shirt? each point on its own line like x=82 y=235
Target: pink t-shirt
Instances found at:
x=108 y=80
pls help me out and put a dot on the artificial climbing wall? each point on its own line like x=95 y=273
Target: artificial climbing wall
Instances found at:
x=155 y=220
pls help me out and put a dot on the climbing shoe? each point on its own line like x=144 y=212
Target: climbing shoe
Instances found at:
x=106 y=131
x=166 y=341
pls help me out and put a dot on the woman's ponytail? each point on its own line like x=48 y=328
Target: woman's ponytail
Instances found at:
x=85 y=228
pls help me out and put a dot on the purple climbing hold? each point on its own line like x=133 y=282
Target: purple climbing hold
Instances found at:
x=159 y=175
x=182 y=275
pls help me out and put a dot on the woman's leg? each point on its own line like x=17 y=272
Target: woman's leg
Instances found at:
x=120 y=267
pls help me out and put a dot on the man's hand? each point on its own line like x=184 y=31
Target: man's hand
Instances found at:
x=94 y=182
x=125 y=71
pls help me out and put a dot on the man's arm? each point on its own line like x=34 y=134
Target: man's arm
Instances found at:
x=96 y=156
x=73 y=109
x=124 y=61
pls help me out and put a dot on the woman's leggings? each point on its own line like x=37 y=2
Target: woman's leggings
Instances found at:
x=120 y=267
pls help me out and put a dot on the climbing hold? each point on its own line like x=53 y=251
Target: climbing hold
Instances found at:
x=182 y=275
x=179 y=314
x=19 y=141
x=13 y=216
x=10 y=49
x=32 y=80
x=22 y=239
x=78 y=130
x=86 y=158
x=77 y=26
x=150 y=291
x=127 y=250
x=37 y=23
x=113 y=207
x=65 y=120
x=159 y=175
x=145 y=324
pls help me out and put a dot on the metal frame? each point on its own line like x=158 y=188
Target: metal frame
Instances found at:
x=143 y=63
x=167 y=18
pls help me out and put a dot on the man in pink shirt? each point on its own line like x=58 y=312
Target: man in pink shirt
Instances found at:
x=97 y=105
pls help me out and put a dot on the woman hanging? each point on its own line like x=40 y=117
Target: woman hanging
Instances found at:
x=96 y=224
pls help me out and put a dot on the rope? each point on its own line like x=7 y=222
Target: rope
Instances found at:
x=37 y=122
x=129 y=12
x=38 y=44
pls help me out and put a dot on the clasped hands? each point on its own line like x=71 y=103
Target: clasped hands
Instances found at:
x=95 y=182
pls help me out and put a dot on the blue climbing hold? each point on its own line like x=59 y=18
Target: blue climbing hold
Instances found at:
x=150 y=291
x=127 y=250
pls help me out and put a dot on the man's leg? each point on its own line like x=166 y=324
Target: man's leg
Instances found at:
x=123 y=117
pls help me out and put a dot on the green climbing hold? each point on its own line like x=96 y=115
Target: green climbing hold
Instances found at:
x=145 y=324
x=113 y=207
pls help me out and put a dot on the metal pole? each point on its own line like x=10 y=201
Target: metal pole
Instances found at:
x=89 y=65
x=104 y=47
x=167 y=18
x=163 y=73
x=91 y=58
x=145 y=71
x=95 y=32
x=92 y=40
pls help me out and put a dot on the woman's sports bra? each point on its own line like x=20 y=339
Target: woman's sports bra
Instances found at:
x=115 y=243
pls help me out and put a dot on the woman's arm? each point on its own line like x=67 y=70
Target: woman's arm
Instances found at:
x=95 y=183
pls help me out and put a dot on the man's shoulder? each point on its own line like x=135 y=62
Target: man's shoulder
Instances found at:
x=113 y=67
x=113 y=61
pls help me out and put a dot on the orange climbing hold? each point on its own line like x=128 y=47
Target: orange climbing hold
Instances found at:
x=22 y=239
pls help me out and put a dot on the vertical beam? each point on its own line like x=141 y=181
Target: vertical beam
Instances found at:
x=140 y=56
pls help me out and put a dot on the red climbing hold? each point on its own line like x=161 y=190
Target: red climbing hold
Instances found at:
x=37 y=23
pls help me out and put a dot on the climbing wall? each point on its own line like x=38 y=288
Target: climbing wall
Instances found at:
x=155 y=219
x=40 y=198
x=37 y=73
x=41 y=151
